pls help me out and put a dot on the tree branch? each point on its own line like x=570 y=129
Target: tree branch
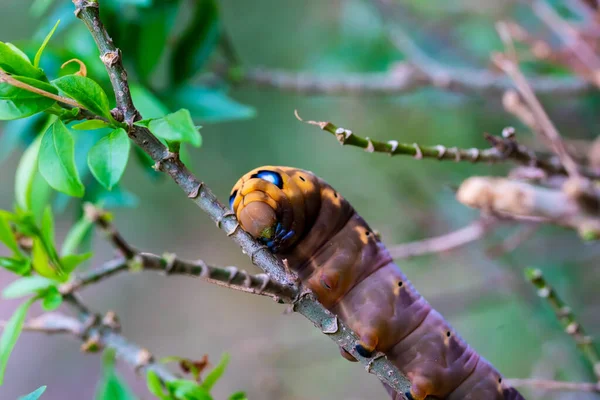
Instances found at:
x=555 y=385
x=201 y=195
x=230 y=277
x=400 y=79
x=567 y=319
x=96 y=334
x=449 y=241
x=522 y=200
x=504 y=148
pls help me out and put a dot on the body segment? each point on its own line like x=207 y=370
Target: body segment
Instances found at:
x=336 y=254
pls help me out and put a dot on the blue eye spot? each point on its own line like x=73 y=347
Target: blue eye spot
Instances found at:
x=231 y=199
x=270 y=176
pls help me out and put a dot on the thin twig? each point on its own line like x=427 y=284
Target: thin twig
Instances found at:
x=569 y=36
x=102 y=219
x=504 y=149
x=443 y=243
x=566 y=318
x=96 y=334
x=555 y=385
x=170 y=163
x=230 y=277
x=4 y=77
x=510 y=243
x=511 y=68
x=400 y=79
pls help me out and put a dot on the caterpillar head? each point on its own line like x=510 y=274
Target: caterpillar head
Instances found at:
x=273 y=204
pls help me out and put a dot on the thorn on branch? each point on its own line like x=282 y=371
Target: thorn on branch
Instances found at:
x=194 y=193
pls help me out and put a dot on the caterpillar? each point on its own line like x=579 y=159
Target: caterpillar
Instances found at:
x=334 y=252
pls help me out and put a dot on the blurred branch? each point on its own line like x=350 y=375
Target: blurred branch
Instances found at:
x=569 y=36
x=97 y=333
x=504 y=148
x=567 y=319
x=401 y=79
x=443 y=243
x=229 y=277
x=520 y=200
x=511 y=242
x=546 y=126
x=170 y=163
x=555 y=385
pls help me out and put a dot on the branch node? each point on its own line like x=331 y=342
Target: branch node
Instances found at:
x=111 y=320
x=111 y=58
x=233 y=271
x=204 y=269
x=170 y=156
x=222 y=217
x=170 y=259
x=265 y=282
x=418 y=152
x=143 y=358
x=508 y=132
x=370 y=148
x=474 y=153
x=255 y=252
x=394 y=145
x=194 y=193
x=441 y=151
x=117 y=114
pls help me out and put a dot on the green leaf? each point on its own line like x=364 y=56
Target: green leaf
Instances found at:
x=26 y=171
x=20 y=266
x=42 y=264
x=197 y=42
x=91 y=125
x=211 y=105
x=52 y=299
x=155 y=385
x=183 y=389
x=26 y=286
x=108 y=158
x=48 y=226
x=35 y=395
x=38 y=55
x=238 y=396
x=18 y=103
x=152 y=36
x=29 y=184
x=216 y=373
x=11 y=333
x=17 y=133
x=7 y=237
x=15 y=62
x=57 y=160
x=175 y=127
x=147 y=103
x=71 y=261
x=86 y=92
x=75 y=236
x=112 y=387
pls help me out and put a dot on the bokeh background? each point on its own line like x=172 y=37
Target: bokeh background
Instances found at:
x=277 y=356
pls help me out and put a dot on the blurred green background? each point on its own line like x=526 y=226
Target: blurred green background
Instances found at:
x=277 y=356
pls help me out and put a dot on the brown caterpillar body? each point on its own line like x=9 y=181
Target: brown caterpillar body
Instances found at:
x=335 y=253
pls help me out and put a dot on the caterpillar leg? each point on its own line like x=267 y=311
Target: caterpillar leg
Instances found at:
x=367 y=344
x=419 y=389
x=347 y=355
